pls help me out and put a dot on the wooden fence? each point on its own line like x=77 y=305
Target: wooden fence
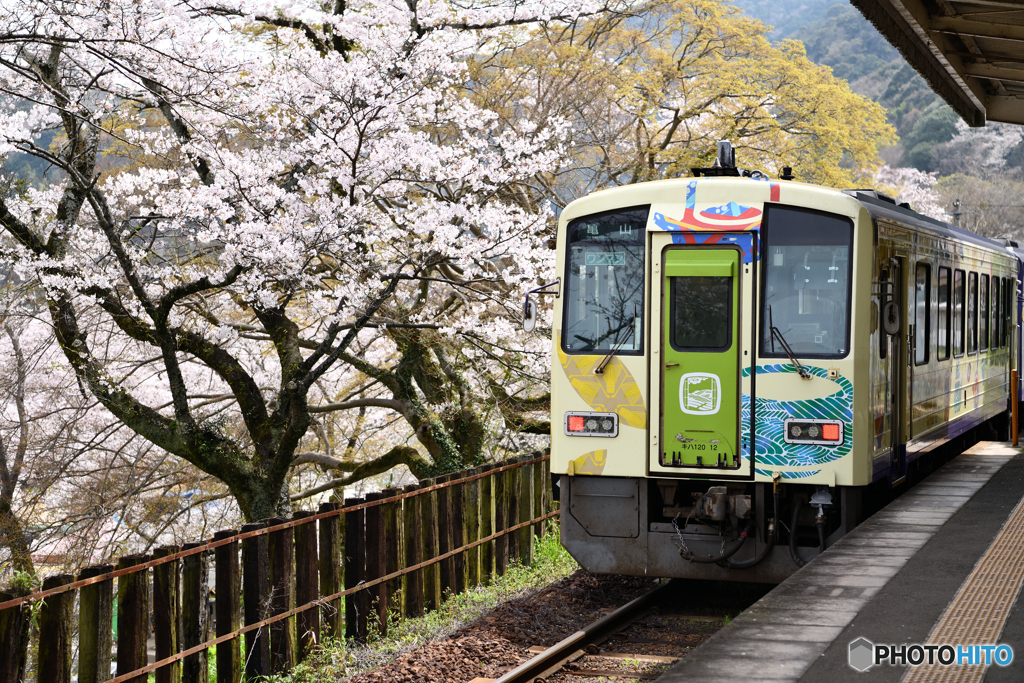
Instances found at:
x=282 y=584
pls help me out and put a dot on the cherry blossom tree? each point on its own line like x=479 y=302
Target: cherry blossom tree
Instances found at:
x=76 y=485
x=269 y=213
x=916 y=188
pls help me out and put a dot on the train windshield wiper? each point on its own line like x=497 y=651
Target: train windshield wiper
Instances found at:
x=785 y=347
x=620 y=341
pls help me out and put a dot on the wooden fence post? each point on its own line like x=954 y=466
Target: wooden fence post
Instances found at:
x=14 y=625
x=540 y=485
x=330 y=559
x=55 y=632
x=195 y=622
x=306 y=584
x=228 y=583
x=471 y=520
x=392 y=517
x=512 y=493
x=431 y=547
x=132 y=617
x=526 y=513
x=255 y=589
x=501 y=520
x=446 y=567
x=282 y=597
x=458 y=534
x=375 y=561
x=412 y=528
x=166 y=613
x=356 y=604
x=487 y=525
x=95 y=626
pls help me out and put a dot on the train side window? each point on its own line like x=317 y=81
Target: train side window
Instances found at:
x=959 y=304
x=943 y=315
x=983 y=312
x=972 y=312
x=1002 y=315
x=922 y=314
x=995 y=313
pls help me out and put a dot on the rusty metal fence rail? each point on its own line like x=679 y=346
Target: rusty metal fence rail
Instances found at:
x=279 y=582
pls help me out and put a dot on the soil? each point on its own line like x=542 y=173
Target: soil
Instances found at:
x=500 y=640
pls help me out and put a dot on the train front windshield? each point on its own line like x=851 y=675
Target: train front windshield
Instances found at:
x=807 y=260
x=605 y=282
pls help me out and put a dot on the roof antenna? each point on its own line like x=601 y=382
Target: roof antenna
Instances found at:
x=787 y=173
x=726 y=155
x=725 y=165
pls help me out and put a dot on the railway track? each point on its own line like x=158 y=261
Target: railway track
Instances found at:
x=639 y=640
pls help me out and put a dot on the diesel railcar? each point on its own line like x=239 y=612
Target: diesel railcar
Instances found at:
x=740 y=362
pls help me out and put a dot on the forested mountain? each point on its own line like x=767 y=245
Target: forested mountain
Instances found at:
x=836 y=34
x=978 y=170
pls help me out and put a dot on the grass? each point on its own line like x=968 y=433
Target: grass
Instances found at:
x=337 y=659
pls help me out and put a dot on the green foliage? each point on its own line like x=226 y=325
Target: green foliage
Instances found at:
x=936 y=126
x=673 y=81
x=23 y=583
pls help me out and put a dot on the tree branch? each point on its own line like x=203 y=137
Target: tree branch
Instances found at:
x=399 y=455
x=394 y=404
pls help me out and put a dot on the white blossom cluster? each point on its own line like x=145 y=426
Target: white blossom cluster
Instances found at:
x=914 y=187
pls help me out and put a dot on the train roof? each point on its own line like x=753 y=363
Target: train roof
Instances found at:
x=876 y=204
x=880 y=206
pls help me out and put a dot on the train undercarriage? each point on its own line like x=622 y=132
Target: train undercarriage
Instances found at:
x=734 y=531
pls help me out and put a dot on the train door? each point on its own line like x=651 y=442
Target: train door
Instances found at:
x=699 y=310
x=897 y=328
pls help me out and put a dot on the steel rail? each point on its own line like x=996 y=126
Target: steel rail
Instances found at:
x=551 y=660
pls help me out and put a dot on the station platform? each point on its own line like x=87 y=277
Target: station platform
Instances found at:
x=942 y=564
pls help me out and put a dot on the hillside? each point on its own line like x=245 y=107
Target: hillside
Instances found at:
x=836 y=34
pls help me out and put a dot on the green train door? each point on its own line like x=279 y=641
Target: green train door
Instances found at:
x=700 y=360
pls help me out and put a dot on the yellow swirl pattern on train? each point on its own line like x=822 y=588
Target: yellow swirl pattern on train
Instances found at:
x=589 y=463
x=613 y=391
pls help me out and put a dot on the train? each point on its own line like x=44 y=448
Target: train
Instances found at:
x=741 y=364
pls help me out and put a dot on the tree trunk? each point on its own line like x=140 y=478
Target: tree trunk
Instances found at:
x=12 y=535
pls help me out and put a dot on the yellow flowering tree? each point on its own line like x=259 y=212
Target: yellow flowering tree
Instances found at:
x=649 y=90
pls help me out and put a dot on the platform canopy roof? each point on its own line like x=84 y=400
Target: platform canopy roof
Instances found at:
x=971 y=52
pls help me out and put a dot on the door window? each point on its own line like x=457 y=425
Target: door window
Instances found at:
x=996 y=325
x=972 y=313
x=922 y=319
x=983 y=312
x=959 y=304
x=701 y=313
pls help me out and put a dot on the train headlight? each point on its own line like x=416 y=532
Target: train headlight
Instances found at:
x=591 y=424
x=817 y=432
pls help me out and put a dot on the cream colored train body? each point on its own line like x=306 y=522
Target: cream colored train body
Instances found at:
x=732 y=355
